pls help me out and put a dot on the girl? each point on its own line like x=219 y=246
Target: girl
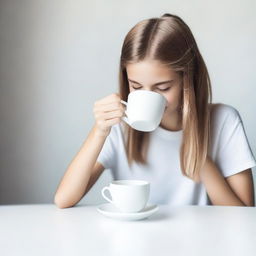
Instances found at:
x=199 y=154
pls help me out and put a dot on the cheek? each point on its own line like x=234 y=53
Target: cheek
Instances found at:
x=131 y=89
x=173 y=99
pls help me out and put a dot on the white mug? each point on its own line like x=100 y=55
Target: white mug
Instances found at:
x=128 y=195
x=144 y=110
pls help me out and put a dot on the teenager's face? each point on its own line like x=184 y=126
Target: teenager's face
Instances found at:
x=144 y=75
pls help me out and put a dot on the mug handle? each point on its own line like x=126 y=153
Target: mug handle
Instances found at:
x=103 y=194
x=123 y=117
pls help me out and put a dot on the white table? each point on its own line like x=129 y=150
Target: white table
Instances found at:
x=188 y=230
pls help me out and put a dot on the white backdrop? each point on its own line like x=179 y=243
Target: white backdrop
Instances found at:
x=59 y=56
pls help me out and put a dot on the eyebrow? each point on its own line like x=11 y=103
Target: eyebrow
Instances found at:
x=159 y=83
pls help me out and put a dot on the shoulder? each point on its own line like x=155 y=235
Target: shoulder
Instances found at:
x=117 y=128
x=117 y=131
x=223 y=113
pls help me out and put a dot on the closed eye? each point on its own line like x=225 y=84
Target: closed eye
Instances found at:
x=162 y=90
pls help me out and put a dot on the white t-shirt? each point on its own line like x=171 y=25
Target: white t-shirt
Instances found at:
x=229 y=149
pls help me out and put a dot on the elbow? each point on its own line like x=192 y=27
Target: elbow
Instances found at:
x=250 y=204
x=60 y=203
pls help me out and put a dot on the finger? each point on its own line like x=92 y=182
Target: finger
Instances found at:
x=110 y=107
x=109 y=99
x=113 y=121
x=113 y=114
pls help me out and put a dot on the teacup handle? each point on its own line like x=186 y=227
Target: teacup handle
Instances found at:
x=103 y=194
x=125 y=118
x=124 y=102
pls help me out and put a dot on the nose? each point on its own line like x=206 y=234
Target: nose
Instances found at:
x=148 y=89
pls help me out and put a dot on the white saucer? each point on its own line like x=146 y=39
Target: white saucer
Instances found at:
x=109 y=210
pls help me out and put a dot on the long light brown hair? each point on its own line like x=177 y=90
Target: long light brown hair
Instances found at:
x=169 y=40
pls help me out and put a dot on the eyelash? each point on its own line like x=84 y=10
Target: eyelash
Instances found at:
x=162 y=90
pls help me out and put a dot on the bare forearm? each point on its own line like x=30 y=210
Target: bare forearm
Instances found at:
x=77 y=175
x=218 y=190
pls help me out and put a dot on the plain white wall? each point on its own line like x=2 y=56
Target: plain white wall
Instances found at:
x=57 y=57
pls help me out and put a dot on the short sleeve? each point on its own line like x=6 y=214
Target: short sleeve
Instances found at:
x=234 y=154
x=107 y=153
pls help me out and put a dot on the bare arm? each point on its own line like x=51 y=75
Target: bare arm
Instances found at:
x=236 y=190
x=74 y=183
x=83 y=171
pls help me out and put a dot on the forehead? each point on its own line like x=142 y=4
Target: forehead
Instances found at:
x=149 y=70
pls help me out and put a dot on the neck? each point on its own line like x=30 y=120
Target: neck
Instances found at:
x=171 y=122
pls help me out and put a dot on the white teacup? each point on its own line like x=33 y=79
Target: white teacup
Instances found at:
x=144 y=110
x=128 y=195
